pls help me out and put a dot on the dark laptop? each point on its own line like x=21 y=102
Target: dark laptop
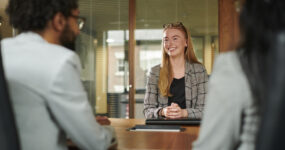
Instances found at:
x=165 y=121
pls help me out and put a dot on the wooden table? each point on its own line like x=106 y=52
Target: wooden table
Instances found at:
x=152 y=140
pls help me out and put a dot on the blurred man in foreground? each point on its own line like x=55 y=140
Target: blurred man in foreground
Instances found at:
x=43 y=75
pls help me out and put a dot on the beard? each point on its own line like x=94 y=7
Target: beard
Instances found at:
x=68 y=38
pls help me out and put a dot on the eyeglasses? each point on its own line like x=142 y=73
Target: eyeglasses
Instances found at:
x=80 y=21
x=170 y=25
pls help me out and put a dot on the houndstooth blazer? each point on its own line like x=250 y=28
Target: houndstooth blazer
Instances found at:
x=196 y=80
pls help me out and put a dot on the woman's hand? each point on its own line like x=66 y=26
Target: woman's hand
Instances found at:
x=174 y=111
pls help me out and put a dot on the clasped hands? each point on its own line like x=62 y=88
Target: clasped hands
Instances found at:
x=174 y=111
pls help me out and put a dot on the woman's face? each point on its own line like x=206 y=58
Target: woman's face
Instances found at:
x=174 y=42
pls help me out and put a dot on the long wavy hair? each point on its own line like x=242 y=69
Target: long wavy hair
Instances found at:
x=166 y=72
x=261 y=21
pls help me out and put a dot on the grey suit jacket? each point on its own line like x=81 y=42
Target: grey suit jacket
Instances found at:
x=47 y=95
x=231 y=119
x=196 y=79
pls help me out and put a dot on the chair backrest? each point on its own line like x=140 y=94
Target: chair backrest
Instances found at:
x=272 y=129
x=8 y=131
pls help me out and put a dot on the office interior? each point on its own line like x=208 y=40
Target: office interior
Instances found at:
x=121 y=41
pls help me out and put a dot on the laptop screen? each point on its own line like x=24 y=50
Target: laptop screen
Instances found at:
x=166 y=121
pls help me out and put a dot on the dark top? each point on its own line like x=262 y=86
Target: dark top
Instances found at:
x=177 y=89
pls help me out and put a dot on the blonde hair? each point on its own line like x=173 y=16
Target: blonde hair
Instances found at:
x=166 y=72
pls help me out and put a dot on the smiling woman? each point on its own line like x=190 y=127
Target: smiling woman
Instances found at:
x=177 y=87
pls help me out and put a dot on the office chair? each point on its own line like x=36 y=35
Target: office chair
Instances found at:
x=272 y=129
x=8 y=131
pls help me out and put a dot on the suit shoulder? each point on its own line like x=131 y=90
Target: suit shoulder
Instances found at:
x=228 y=62
x=197 y=67
x=155 y=70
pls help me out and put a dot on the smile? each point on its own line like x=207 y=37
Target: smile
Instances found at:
x=171 y=49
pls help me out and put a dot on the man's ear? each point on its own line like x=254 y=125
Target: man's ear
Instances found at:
x=58 y=22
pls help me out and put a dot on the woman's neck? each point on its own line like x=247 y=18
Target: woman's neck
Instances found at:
x=178 y=66
x=177 y=62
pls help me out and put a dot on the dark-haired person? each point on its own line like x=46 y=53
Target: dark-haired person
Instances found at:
x=238 y=83
x=43 y=76
x=177 y=87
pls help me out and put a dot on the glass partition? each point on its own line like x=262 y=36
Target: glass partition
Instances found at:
x=103 y=45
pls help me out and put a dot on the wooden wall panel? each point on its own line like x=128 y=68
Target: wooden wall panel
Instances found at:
x=132 y=26
x=228 y=25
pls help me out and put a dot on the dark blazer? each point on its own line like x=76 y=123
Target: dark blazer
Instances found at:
x=196 y=79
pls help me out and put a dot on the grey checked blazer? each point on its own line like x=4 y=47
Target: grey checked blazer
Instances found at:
x=196 y=79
